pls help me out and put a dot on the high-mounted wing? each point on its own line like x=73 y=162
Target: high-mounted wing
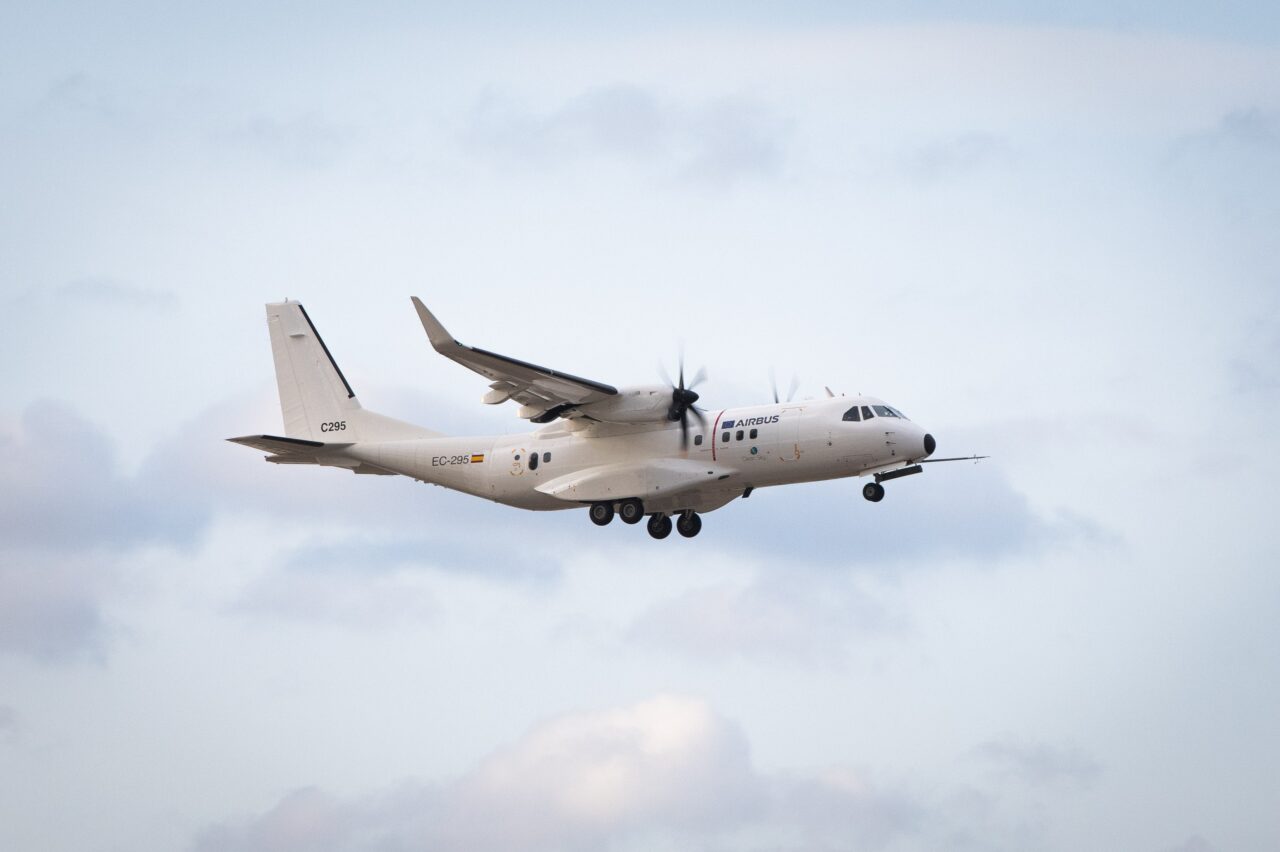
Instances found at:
x=543 y=394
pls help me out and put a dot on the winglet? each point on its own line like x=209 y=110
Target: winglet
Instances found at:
x=436 y=333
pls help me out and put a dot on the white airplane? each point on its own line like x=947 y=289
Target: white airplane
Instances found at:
x=623 y=451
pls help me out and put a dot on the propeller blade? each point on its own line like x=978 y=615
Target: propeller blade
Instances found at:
x=795 y=386
x=698 y=378
x=773 y=383
x=684 y=432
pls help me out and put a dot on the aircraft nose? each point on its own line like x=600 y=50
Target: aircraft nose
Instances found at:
x=929 y=444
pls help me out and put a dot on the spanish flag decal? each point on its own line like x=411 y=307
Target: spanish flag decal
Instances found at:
x=476 y=458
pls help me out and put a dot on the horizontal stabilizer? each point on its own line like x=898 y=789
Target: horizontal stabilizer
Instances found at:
x=280 y=446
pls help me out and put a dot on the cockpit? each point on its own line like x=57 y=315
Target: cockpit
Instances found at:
x=866 y=412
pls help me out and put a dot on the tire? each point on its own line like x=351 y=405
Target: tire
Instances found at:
x=659 y=526
x=601 y=513
x=631 y=511
x=689 y=524
x=873 y=491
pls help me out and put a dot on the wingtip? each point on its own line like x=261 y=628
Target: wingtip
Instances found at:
x=436 y=332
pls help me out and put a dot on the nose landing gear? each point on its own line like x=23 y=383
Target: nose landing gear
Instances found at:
x=873 y=491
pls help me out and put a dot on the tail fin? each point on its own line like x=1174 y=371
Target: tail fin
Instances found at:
x=316 y=400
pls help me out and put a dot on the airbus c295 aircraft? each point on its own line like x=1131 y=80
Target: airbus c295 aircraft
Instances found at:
x=631 y=452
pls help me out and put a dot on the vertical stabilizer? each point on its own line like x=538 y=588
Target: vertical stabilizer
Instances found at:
x=316 y=401
x=314 y=395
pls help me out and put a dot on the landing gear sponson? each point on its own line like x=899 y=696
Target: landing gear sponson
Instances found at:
x=688 y=523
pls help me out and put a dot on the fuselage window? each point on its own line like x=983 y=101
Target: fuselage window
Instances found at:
x=884 y=411
x=546 y=457
x=866 y=413
x=724 y=439
x=753 y=434
x=533 y=461
x=739 y=435
x=852 y=414
x=697 y=440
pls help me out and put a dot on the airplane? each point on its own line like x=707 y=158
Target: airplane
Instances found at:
x=634 y=452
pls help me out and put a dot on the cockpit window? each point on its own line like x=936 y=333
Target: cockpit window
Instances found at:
x=899 y=413
x=866 y=413
x=884 y=411
x=852 y=414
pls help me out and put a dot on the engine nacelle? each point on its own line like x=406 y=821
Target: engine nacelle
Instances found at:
x=642 y=404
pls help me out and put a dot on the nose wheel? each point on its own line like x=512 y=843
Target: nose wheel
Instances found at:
x=873 y=491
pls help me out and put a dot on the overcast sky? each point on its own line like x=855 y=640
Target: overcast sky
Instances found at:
x=1047 y=234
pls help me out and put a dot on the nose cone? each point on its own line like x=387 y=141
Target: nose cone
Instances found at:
x=929 y=445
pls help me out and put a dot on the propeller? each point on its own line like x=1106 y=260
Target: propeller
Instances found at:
x=791 y=392
x=683 y=398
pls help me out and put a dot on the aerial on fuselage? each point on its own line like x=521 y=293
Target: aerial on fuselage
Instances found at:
x=634 y=452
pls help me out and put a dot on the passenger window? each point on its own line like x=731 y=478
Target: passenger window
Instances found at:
x=753 y=434
x=866 y=413
x=739 y=435
x=546 y=457
x=724 y=439
x=533 y=461
x=697 y=440
x=852 y=415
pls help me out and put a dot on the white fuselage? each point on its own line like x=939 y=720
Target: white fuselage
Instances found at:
x=766 y=445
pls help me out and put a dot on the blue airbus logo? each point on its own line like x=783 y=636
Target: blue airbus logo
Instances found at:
x=750 y=421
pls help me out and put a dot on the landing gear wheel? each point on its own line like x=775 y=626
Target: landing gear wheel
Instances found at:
x=601 y=513
x=659 y=526
x=873 y=491
x=689 y=524
x=631 y=511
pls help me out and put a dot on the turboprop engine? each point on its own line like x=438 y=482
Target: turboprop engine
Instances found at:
x=641 y=404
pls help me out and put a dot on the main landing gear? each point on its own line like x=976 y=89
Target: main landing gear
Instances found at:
x=687 y=523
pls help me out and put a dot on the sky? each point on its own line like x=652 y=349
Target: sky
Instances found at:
x=1044 y=231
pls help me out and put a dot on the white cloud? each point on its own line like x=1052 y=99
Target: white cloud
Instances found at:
x=666 y=772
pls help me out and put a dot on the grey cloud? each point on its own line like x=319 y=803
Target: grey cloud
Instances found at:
x=467 y=554
x=718 y=142
x=64 y=493
x=363 y=602
x=8 y=722
x=50 y=606
x=810 y=622
x=1040 y=764
x=665 y=772
x=950 y=158
x=953 y=511
x=307 y=140
x=1234 y=165
x=69 y=519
